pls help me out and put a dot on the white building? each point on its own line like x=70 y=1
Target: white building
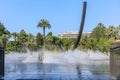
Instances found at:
x=72 y=34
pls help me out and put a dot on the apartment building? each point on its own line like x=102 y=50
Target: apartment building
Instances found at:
x=73 y=34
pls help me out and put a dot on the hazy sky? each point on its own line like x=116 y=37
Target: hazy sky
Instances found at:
x=63 y=15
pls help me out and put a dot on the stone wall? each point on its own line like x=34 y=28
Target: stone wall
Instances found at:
x=115 y=63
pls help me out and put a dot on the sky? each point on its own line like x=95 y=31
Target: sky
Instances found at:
x=63 y=15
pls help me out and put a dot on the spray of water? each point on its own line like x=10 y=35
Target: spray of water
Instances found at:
x=75 y=62
x=73 y=57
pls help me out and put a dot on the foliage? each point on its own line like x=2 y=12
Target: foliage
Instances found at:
x=100 y=39
x=22 y=40
x=10 y=46
x=112 y=32
x=68 y=43
x=31 y=43
x=98 y=31
x=103 y=45
x=39 y=40
x=15 y=35
x=4 y=35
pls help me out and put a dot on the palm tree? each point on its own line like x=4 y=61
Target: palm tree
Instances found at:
x=5 y=38
x=49 y=38
x=4 y=35
x=98 y=31
x=22 y=39
x=30 y=38
x=31 y=42
x=118 y=28
x=14 y=34
x=39 y=40
x=2 y=28
x=44 y=24
x=111 y=32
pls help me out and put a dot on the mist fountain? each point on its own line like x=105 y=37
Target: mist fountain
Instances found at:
x=73 y=65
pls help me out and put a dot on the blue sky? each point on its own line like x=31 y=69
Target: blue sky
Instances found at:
x=63 y=15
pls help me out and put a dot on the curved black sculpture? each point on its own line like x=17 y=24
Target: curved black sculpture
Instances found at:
x=81 y=25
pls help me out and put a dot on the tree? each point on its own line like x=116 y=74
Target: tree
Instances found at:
x=5 y=38
x=15 y=35
x=22 y=40
x=112 y=32
x=118 y=28
x=56 y=43
x=103 y=45
x=31 y=42
x=44 y=24
x=10 y=46
x=49 y=34
x=30 y=38
x=2 y=28
x=39 y=40
x=98 y=31
x=4 y=35
x=49 y=38
x=89 y=43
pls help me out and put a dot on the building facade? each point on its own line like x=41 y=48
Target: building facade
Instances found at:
x=72 y=34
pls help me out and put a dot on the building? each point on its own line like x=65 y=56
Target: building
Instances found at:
x=72 y=34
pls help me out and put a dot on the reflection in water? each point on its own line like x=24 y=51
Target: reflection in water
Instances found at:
x=115 y=64
x=57 y=71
